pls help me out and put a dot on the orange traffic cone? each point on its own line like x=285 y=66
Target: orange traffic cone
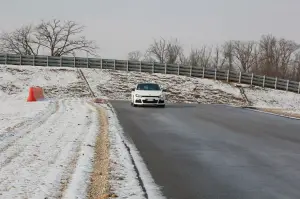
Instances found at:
x=31 y=97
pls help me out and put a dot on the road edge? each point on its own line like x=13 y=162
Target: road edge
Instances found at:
x=148 y=186
x=268 y=112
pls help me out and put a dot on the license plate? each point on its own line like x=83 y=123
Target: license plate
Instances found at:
x=149 y=100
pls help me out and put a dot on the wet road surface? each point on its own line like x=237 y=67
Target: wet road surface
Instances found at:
x=216 y=151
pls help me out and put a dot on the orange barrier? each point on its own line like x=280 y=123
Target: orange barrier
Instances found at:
x=35 y=94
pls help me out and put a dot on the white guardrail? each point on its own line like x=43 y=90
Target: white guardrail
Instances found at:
x=140 y=66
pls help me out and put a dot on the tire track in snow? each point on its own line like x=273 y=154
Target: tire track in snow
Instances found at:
x=12 y=134
x=9 y=149
x=49 y=154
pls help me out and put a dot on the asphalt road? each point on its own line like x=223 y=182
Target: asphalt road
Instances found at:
x=216 y=151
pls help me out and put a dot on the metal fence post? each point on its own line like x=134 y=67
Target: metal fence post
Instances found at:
x=264 y=81
x=74 y=62
x=251 y=79
x=215 y=73
x=114 y=64
x=178 y=70
x=191 y=68
x=287 y=85
x=240 y=77
x=275 y=83
x=227 y=76
x=165 y=68
x=299 y=87
x=87 y=62
x=5 y=59
x=127 y=66
x=60 y=61
x=140 y=66
x=47 y=60
x=153 y=67
x=203 y=71
x=101 y=65
x=33 y=60
x=20 y=60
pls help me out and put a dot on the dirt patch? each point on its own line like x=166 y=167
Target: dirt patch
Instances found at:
x=99 y=187
x=280 y=112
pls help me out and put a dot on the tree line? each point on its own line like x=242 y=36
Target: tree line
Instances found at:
x=269 y=56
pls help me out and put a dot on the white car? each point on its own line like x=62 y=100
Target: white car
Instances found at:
x=147 y=94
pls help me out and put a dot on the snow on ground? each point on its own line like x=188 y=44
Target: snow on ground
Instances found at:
x=46 y=147
x=57 y=82
x=117 y=85
x=271 y=98
x=38 y=157
x=15 y=111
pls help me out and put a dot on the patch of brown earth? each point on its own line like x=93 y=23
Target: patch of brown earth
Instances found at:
x=99 y=187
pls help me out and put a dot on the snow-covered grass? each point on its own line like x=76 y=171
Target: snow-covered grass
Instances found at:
x=40 y=156
x=14 y=112
x=271 y=98
x=57 y=82
x=117 y=85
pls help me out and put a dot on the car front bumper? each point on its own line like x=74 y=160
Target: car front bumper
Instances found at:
x=149 y=101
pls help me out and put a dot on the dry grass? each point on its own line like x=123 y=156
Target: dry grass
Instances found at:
x=99 y=187
x=280 y=112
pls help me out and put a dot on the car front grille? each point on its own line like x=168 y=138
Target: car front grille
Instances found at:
x=152 y=101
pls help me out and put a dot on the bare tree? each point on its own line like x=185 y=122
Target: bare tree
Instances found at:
x=183 y=60
x=228 y=53
x=63 y=38
x=135 y=55
x=244 y=54
x=21 y=41
x=165 y=51
x=57 y=37
x=218 y=60
x=201 y=57
x=275 y=55
x=296 y=67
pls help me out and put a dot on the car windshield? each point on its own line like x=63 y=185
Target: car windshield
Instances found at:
x=148 y=87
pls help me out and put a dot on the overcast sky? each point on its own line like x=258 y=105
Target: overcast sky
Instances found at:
x=120 y=26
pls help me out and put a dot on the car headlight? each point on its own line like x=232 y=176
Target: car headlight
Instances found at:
x=138 y=95
x=162 y=96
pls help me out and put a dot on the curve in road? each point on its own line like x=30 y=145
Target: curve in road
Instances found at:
x=215 y=151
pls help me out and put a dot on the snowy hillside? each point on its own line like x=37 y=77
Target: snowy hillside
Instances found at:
x=56 y=82
x=66 y=82
x=117 y=85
